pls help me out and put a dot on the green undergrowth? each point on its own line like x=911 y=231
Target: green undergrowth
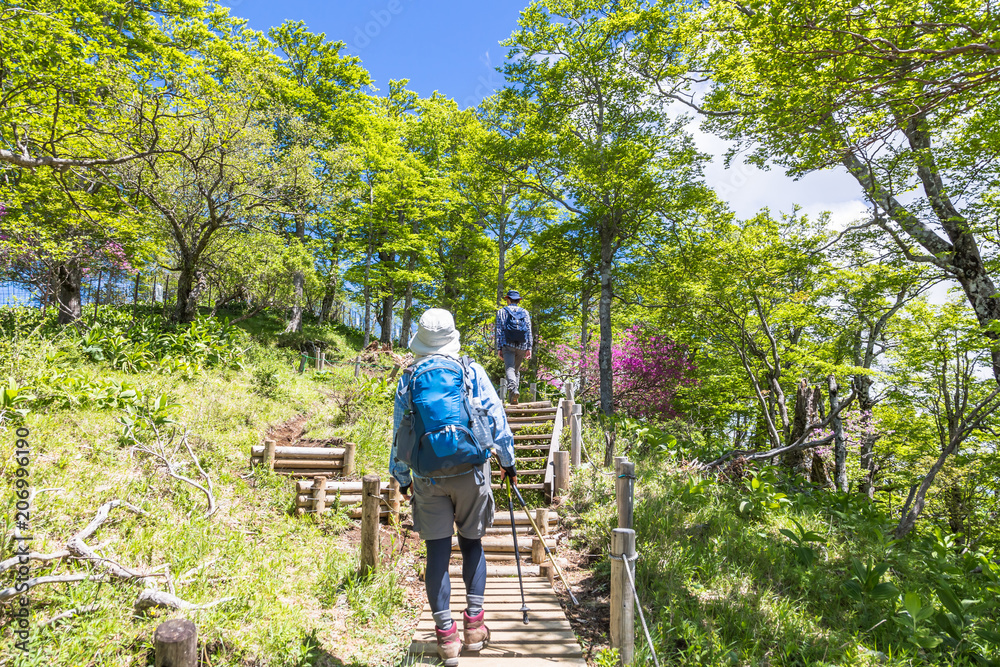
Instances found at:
x=98 y=429
x=763 y=570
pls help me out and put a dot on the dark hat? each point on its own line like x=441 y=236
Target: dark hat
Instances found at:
x=514 y=295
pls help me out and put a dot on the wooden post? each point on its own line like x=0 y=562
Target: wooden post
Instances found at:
x=357 y=365
x=319 y=494
x=618 y=463
x=537 y=550
x=561 y=473
x=269 y=446
x=395 y=369
x=303 y=358
x=349 y=451
x=321 y=360
x=534 y=391
x=395 y=496
x=622 y=606
x=370 y=500
x=624 y=493
x=176 y=644
x=568 y=403
x=575 y=434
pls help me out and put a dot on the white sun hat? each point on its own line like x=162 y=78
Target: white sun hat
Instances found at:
x=436 y=334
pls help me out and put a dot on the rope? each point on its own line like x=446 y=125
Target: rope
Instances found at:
x=642 y=617
x=347 y=363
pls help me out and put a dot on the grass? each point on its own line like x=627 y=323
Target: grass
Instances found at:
x=723 y=587
x=297 y=599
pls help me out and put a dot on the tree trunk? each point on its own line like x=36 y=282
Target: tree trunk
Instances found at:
x=69 y=279
x=387 y=305
x=839 y=448
x=368 y=295
x=298 y=282
x=186 y=306
x=604 y=353
x=796 y=461
x=585 y=298
x=328 y=294
x=909 y=518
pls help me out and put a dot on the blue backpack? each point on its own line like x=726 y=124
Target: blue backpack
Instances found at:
x=516 y=326
x=445 y=429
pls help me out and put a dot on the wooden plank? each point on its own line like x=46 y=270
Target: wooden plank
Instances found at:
x=302 y=452
x=471 y=660
x=521 y=486
x=513 y=647
x=523 y=473
x=326 y=464
x=532 y=436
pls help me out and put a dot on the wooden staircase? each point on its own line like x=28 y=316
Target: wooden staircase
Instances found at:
x=534 y=463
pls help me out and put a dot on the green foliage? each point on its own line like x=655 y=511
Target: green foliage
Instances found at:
x=763 y=495
x=802 y=538
x=866 y=583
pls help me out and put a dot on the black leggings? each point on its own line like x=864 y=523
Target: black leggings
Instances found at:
x=437 y=579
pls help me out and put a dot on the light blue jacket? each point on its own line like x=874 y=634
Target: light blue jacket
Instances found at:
x=482 y=388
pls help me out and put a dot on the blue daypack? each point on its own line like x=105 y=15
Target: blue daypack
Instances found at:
x=445 y=429
x=516 y=326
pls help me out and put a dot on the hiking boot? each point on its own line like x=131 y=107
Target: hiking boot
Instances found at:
x=477 y=635
x=513 y=399
x=449 y=645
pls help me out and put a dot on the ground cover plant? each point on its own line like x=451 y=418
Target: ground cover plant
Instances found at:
x=287 y=588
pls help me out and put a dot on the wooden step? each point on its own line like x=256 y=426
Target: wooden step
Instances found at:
x=514 y=409
x=522 y=448
x=530 y=404
x=527 y=570
x=520 y=517
x=505 y=544
x=523 y=473
x=533 y=436
x=517 y=426
x=531 y=419
x=532 y=459
x=538 y=487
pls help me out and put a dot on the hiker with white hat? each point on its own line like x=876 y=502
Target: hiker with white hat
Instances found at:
x=513 y=341
x=447 y=422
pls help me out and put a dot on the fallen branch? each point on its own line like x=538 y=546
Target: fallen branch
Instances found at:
x=209 y=492
x=12 y=592
x=70 y=614
x=79 y=549
x=13 y=561
x=798 y=445
x=149 y=599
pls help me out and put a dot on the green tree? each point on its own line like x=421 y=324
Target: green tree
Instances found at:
x=599 y=145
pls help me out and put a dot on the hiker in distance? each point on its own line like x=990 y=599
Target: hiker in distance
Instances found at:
x=513 y=341
x=447 y=421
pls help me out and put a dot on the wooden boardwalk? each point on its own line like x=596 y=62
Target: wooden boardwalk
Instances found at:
x=548 y=638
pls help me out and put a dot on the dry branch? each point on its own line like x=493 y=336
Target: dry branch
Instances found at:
x=798 y=445
x=12 y=592
x=149 y=599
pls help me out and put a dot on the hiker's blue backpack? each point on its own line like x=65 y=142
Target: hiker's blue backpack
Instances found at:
x=436 y=434
x=516 y=326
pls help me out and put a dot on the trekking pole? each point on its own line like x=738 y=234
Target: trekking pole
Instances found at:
x=517 y=554
x=548 y=552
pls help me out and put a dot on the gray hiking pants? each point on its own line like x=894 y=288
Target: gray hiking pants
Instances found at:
x=444 y=503
x=512 y=359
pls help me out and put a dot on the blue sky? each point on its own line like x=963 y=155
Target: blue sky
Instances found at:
x=450 y=46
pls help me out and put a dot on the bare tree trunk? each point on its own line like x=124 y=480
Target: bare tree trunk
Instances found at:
x=69 y=280
x=909 y=518
x=368 y=295
x=328 y=294
x=604 y=353
x=796 y=461
x=585 y=297
x=839 y=448
x=298 y=282
x=186 y=308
